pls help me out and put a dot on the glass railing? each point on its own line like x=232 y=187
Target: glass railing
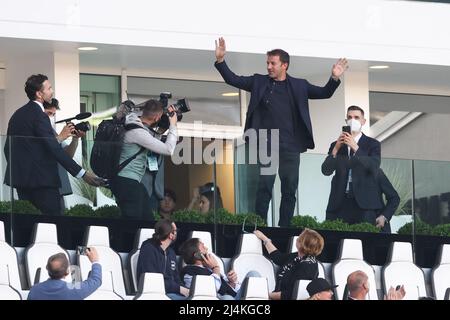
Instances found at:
x=423 y=188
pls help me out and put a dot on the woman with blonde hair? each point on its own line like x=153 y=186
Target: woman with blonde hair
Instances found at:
x=300 y=265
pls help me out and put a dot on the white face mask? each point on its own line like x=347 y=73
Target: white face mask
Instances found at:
x=355 y=125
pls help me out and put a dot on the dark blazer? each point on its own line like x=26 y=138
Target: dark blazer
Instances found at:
x=365 y=164
x=32 y=151
x=60 y=290
x=299 y=89
x=392 y=199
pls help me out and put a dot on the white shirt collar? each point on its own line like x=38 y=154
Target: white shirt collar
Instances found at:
x=40 y=105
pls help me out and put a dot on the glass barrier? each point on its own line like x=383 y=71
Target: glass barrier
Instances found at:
x=213 y=185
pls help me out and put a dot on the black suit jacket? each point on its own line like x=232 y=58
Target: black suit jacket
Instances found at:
x=32 y=151
x=365 y=164
x=300 y=90
x=392 y=198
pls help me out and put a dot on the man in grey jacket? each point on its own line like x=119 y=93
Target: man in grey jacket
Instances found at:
x=128 y=189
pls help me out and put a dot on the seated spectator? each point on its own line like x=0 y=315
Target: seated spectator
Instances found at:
x=358 y=286
x=203 y=198
x=320 y=289
x=200 y=262
x=301 y=265
x=167 y=204
x=56 y=288
x=157 y=256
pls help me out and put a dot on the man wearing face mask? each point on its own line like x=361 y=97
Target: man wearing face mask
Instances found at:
x=355 y=160
x=68 y=131
x=128 y=188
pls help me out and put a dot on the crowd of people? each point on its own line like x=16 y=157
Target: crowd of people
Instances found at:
x=38 y=168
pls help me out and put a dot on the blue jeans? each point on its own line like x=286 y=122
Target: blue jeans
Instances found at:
x=248 y=275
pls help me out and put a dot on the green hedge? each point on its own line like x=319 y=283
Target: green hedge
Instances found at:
x=18 y=206
x=423 y=228
x=336 y=225
x=222 y=216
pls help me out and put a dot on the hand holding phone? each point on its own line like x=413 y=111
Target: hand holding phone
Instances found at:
x=81 y=250
x=346 y=129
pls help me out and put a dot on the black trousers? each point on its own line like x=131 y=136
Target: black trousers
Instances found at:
x=351 y=213
x=47 y=200
x=132 y=198
x=289 y=163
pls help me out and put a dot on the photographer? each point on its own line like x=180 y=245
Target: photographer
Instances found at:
x=127 y=187
x=69 y=130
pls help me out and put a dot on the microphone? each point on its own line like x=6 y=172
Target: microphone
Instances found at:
x=80 y=116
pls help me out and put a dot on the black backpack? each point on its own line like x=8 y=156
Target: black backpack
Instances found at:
x=108 y=142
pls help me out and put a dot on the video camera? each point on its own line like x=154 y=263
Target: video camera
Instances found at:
x=82 y=126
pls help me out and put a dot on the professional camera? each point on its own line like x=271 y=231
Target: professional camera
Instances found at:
x=180 y=107
x=83 y=126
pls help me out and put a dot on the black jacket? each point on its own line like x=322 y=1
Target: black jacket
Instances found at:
x=293 y=268
x=365 y=164
x=32 y=151
x=300 y=90
x=194 y=270
x=152 y=258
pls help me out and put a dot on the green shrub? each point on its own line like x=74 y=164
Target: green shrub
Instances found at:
x=18 y=206
x=337 y=225
x=420 y=228
x=80 y=210
x=363 y=227
x=250 y=219
x=442 y=230
x=222 y=216
x=189 y=216
x=305 y=222
x=108 y=211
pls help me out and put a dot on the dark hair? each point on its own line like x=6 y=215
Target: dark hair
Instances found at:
x=355 y=108
x=188 y=250
x=57 y=266
x=207 y=190
x=163 y=228
x=171 y=194
x=151 y=108
x=53 y=104
x=34 y=84
x=284 y=56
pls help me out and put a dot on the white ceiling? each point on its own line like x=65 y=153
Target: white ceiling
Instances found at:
x=198 y=64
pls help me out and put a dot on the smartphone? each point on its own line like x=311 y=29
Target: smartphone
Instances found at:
x=198 y=255
x=81 y=250
x=346 y=129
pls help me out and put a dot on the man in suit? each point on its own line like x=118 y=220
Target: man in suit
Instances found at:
x=355 y=160
x=56 y=288
x=392 y=202
x=279 y=106
x=32 y=152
